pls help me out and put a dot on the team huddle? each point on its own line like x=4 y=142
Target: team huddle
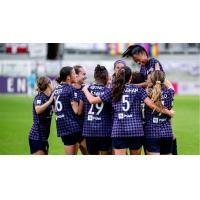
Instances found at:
x=114 y=114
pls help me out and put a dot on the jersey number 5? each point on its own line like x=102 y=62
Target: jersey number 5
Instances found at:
x=125 y=107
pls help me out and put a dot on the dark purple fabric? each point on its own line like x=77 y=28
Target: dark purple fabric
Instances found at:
x=158 y=125
x=98 y=117
x=127 y=121
x=41 y=122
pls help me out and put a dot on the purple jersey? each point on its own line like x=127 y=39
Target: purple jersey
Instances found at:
x=98 y=117
x=66 y=120
x=81 y=95
x=41 y=122
x=149 y=67
x=127 y=119
x=158 y=125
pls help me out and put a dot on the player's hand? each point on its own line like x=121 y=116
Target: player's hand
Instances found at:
x=172 y=112
x=52 y=97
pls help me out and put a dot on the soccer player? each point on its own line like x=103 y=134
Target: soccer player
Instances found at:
x=97 y=114
x=42 y=113
x=136 y=79
x=117 y=66
x=66 y=109
x=81 y=77
x=141 y=57
x=127 y=129
x=158 y=130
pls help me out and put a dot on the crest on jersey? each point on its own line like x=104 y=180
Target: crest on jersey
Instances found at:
x=38 y=102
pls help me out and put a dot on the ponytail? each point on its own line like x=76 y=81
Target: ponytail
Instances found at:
x=58 y=80
x=134 y=50
x=118 y=86
x=128 y=51
x=64 y=72
x=158 y=78
x=122 y=78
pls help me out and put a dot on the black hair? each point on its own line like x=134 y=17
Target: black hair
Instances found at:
x=137 y=77
x=134 y=50
x=64 y=72
x=101 y=74
x=122 y=78
x=77 y=68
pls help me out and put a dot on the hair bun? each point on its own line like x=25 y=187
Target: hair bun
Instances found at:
x=158 y=82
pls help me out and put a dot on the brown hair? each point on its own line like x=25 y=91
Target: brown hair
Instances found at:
x=157 y=78
x=101 y=74
x=42 y=83
x=122 y=78
x=137 y=77
x=77 y=68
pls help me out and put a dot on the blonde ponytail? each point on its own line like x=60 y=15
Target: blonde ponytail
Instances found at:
x=156 y=94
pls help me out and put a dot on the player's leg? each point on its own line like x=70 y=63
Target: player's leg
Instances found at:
x=152 y=153
x=92 y=146
x=135 y=145
x=70 y=149
x=83 y=147
x=39 y=152
x=136 y=152
x=120 y=152
x=105 y=145
x=174 y=146
x=38 y=147
x=144 y=147
x=166 y=146
x=70 y=144
x=81 y=144
x=152 y=146
x=120 y=146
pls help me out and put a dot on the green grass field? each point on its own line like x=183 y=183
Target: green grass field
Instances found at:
x=16 y=121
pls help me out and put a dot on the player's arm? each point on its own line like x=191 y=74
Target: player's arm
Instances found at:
x=80 y=107
x=143 y=85
x=41 y=108
x=76 y=102
x=75 y=106
x=151 y=105
x=169 y=85
x=92 y=99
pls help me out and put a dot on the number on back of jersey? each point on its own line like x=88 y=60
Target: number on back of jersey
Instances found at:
x=58 y=104
x=126 y=103
x=99 y=108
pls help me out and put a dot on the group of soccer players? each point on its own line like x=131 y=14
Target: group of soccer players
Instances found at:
x=113 y=115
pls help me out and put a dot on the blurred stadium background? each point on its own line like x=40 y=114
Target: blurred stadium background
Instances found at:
x=22 y=62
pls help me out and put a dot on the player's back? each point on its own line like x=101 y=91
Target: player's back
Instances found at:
x=127 y=112
x=158 y=124
x=98 y=117
x=66 y=119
